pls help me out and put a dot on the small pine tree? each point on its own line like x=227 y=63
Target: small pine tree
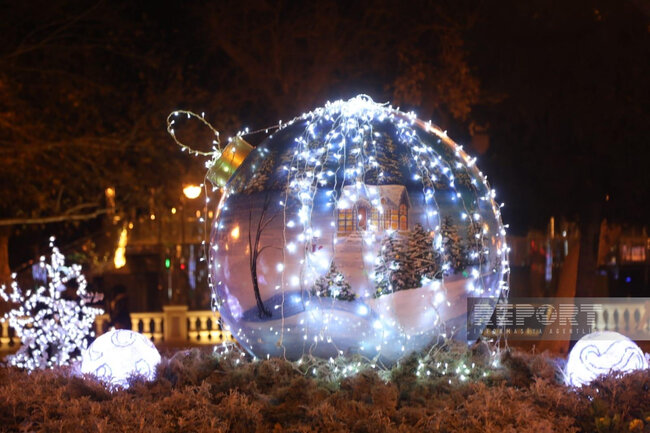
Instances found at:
x=388 y=169
x=453 y=250
x=475 y=244
x=392 y=271
x=333 y=285
x=424 y=260
x=258 y=181
x=53 y=330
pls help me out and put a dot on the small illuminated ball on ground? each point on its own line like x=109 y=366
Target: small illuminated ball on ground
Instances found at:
x=119 y=354
x=353 y=229
x=602 y=353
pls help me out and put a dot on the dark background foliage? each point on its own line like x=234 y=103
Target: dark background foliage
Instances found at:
x=560 y=89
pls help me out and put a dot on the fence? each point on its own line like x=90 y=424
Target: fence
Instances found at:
x=175 y=325
x=627 y=318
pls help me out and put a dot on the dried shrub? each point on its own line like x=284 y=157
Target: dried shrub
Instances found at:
x=449 y=389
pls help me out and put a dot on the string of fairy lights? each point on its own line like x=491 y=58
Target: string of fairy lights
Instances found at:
x=350 y=145
x=54 y=327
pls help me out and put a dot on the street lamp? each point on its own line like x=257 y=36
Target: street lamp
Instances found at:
x=192 y=191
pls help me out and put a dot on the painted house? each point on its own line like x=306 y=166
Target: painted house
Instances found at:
x=373 y=207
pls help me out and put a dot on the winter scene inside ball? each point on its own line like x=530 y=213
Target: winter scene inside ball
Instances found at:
x=355 y=228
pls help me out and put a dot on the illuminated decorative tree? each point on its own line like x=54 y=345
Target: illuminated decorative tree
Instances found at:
x=333 y=285
x=54 y=321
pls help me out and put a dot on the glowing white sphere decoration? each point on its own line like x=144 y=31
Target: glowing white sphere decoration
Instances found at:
x=120 y=354
x=354 y=228
x=601 y=353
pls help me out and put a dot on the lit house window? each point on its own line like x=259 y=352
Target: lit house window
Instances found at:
x=364 y=216
x=375 y=221
x=403 y=217
x=386 y=218
x=346 y=220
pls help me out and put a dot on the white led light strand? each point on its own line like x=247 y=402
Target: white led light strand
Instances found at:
x=334 y=152
x=53 y=329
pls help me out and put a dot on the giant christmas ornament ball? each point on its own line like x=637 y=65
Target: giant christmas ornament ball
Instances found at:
x=354 y=228
x=120 y=354
x=602 y=353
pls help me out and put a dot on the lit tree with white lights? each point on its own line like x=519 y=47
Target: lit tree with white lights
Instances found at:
x=333 y=285
x=53 y=322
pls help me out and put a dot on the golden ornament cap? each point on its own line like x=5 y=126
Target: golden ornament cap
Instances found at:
x=232 y=157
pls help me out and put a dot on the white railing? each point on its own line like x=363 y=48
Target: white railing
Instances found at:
x=175 y=325
x=626 y=318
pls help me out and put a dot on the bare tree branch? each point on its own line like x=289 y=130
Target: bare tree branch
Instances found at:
x=53 y=219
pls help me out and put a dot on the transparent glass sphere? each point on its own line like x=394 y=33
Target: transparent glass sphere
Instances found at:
x=355 y=228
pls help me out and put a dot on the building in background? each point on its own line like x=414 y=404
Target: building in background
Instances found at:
x=163 y=258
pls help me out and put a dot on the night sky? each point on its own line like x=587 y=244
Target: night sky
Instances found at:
x=553 y=97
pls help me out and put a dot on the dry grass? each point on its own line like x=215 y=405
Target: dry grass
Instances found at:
x=199 y=392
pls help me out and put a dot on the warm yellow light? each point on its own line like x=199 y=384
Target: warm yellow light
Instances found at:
x=210 y=214
x=130 y=225
x=110 y=192
x=234 y=233
x=152 y=216
x=120 y=252
x=173 y=211
x=192 y=191
x=198 y=214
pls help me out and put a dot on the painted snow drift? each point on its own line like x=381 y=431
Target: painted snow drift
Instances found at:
x=354 y=228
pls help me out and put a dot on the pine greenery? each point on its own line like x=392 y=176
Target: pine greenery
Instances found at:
x=423 y=261
x=454 y=252
x=391 y=274
x=333 y=285
x=475 y=244
x=387 y=170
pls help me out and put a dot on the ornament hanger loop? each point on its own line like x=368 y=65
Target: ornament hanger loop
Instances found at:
x=216 y=148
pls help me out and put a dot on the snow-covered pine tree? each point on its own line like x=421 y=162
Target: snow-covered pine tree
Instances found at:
x=420 y=253
x=333 y=285
x=54 y=321
x=392 y=269
x=257 y=182
x=453 y=250
x=387 y=170
x=475 y=244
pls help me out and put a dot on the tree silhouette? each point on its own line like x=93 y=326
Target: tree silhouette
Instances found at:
x=581 y=153
x=262 y=223
x=84 y=90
